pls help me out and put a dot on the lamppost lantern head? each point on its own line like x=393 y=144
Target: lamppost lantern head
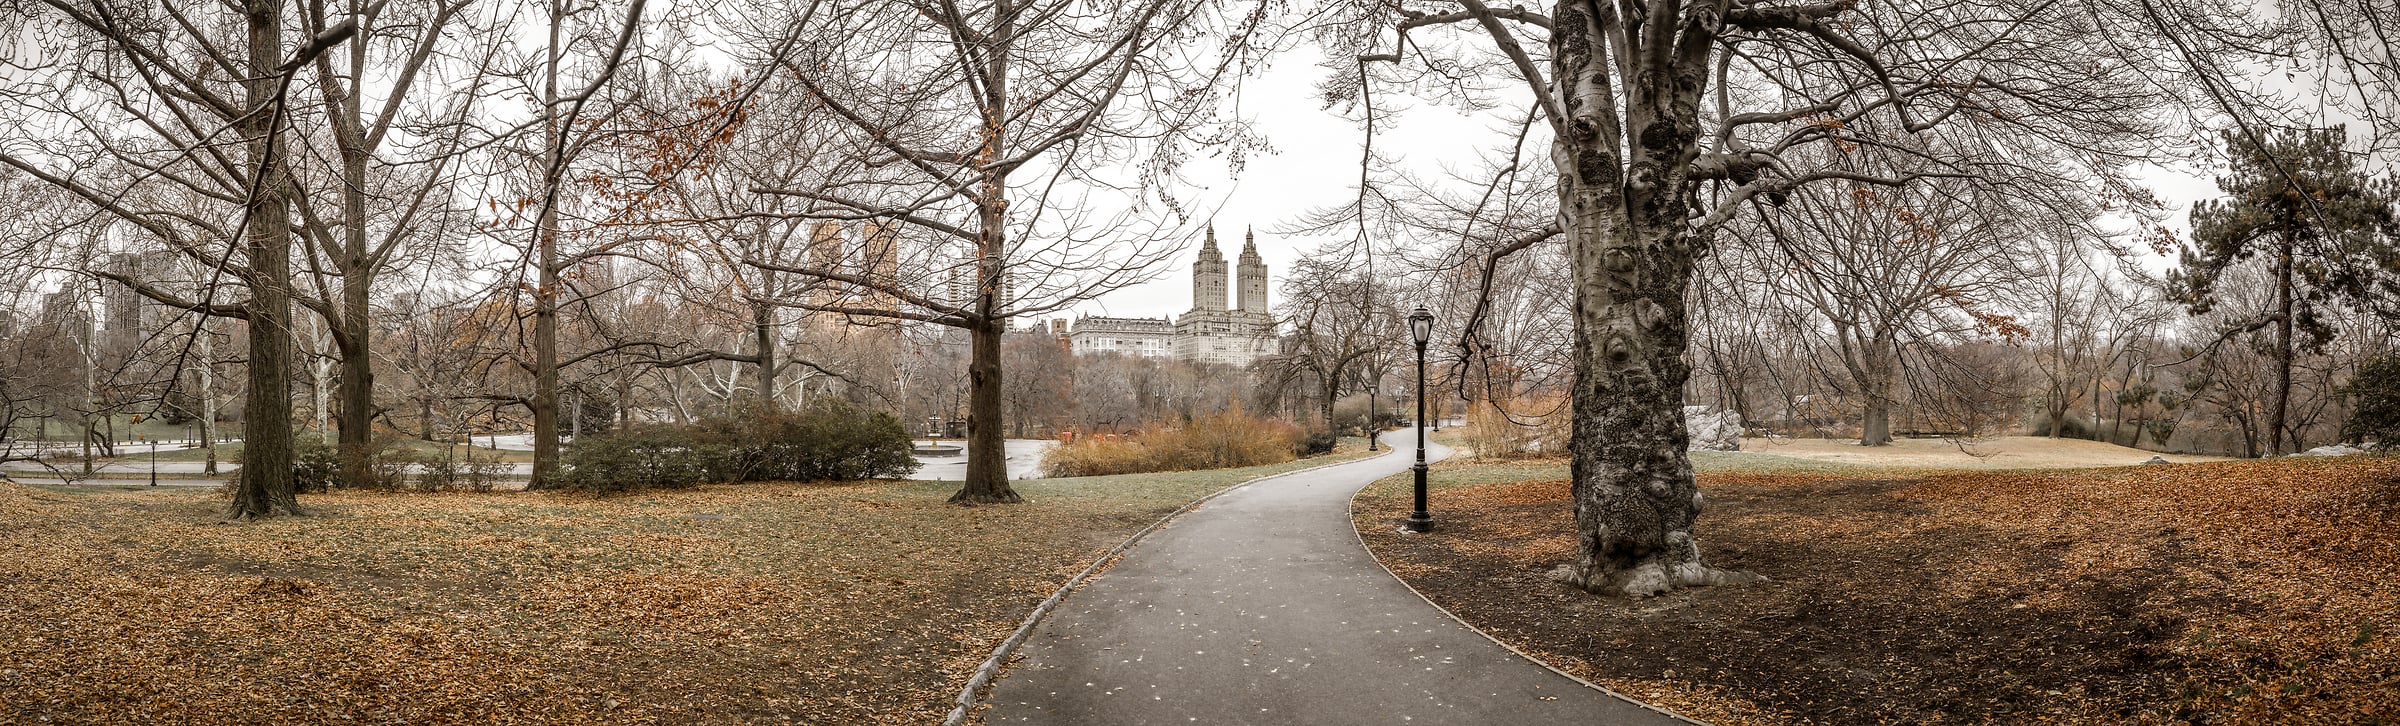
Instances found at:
x=1420 y=325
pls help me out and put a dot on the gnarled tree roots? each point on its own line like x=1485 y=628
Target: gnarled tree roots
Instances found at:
x=1646 y=577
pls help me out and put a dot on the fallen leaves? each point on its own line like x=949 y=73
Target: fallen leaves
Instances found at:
x=2244 y=592
x=846 y=604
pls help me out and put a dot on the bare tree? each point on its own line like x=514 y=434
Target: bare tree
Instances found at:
x=1890 y=269
x=1343 y=333
x=191 y=83
x=1667 y=119
x=994 y=127
x=398 y=127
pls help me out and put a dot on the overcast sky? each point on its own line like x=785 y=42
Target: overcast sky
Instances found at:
x=1315 y=164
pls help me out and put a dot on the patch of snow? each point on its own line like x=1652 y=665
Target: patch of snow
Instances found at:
x=1713 y=430
x=2333 y=450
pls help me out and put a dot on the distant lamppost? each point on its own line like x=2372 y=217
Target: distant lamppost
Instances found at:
x=1370 y=415
x=1420 y=327
x=153 y=463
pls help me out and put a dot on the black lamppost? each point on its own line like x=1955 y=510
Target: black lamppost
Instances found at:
x=1420 y=327
x=1370 y=415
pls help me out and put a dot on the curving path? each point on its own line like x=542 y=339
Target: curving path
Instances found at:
x=1261 y=607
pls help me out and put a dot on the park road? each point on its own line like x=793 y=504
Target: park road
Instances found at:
x=1261 y=607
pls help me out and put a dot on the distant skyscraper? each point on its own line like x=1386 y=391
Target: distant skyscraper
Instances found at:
x=879 y=253
x=826 y=243
x=121 y=307
x=1208 y=332
x=1213 y=334
x=1253 y=282
x=1208 y=275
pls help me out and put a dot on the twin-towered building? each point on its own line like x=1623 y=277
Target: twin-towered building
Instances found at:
x=1210 y=331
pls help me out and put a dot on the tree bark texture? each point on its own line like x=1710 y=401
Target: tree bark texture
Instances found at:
x=353 y=327
x=265 y=483
x=987 y=454
x=1625 y=212
x=545 y=359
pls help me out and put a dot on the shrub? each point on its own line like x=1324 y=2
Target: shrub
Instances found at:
x=1525 y=428
x=315 y=463
x=1350 y=415
x=1219 y=441
x=831 y=440
x=2070 y=427
x=455 y=472
x=1318 y=442
x=2375 y=407
x=661 y=457
x=828 y=441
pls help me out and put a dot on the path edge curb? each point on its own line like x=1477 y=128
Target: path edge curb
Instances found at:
x=1462 y=622
x=990 y=668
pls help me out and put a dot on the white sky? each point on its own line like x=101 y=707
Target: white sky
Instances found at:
x=1314 y=164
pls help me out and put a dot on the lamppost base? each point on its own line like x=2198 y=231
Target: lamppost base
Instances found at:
x=1418 y=522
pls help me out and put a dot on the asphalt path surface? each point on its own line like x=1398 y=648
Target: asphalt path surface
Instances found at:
x=1262 y=607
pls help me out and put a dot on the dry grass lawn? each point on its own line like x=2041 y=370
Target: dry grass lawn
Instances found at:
x=2263 y=592
x=2002 y=452
x=769 y=603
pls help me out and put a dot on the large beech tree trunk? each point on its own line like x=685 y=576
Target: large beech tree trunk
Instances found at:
x=1625 y=215
x=265 y=484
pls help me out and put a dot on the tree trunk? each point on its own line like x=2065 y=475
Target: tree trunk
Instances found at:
x=208 y=406
x=91 y=400
x=1331 y=394
x=320 y=393
x=2283 y=345
x=617 y=416
x=545 y=292
x=987 y=454
x=762 y=328
x=1625 y=227
x=425 y=417
x=545 y=360
x=353 y=334
x=265 y=483
x=1875 y=426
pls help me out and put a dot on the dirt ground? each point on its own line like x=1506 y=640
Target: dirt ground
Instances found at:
x=2252 y=592
x=2003 y=452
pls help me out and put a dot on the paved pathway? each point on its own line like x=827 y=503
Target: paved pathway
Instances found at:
x=1261 y=607
x=1024 y=460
